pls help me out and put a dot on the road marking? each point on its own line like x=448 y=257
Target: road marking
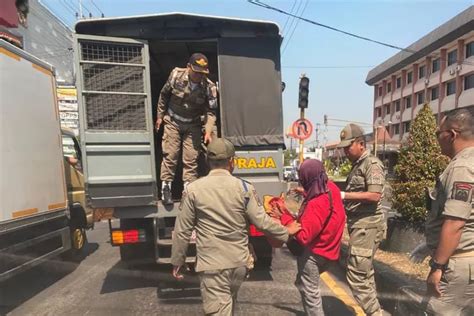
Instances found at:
x=341 y=294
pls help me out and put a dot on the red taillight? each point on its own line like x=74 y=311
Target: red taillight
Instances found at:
x=131 y=236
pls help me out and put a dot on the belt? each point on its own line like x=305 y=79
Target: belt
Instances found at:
x=183 y=119
x=462 y=254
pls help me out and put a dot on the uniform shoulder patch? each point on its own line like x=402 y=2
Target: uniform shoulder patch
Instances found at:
x=462 y=191
x=259 y=202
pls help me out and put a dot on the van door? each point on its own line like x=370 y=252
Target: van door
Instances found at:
x=116 y=127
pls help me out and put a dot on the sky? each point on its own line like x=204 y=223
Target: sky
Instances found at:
x=336 y=64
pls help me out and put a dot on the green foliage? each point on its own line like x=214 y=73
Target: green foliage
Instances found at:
x=329 y=166
x=419 y=164
x=345 y=168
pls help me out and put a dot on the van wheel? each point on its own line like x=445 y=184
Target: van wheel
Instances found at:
x=78 y=239
x=78 y=242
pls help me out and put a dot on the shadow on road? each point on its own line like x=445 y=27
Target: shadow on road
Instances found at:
x=20 y=288
x=169 y=291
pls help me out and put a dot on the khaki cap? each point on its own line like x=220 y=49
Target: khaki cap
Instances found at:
x=220 y=149
x=349 y=134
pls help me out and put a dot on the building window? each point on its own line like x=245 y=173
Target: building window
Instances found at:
x=435 y=66
x=421 y=97
x=434 y=93
x=407 y=102
x=387 y=109
x=389 y=87
x=399 y=82
x=452 y=57
x=406 y=127
x=396 y=129
x=397 y=106
x=409 y=77
x=451 y=87
x=469 y=49
x=421 y=72
x=469 y=81
x=380 y=91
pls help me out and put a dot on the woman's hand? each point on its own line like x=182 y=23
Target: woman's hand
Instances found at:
x=297 y=191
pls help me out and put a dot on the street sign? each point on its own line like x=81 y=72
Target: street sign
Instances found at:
x=302 y=129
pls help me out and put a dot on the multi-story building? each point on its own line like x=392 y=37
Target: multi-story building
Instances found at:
x=438 y=69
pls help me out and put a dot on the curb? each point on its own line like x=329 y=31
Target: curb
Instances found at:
x=395 y=291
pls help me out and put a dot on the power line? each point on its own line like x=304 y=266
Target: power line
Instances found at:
x=288 y=17
x=269 y=7
x=292 y=21
x=97 y=7
x=296 y=26
x=327 y=67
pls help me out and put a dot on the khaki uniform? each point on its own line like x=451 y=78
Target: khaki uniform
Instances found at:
x=453 y=196
x=367 y=227
x=220 y=207
x=183 y=111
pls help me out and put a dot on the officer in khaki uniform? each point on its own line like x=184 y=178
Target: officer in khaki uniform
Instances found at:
x=187 y=100
x=365 y=218
x=220 y=207
x=450 y=222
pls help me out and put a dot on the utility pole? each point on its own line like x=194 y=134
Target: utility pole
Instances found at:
x=81 y=15
x=318 y=127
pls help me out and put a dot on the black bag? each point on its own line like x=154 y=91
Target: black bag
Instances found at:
x=295 y=247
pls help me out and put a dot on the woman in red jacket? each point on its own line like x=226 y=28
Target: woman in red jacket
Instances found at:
x=321 y=231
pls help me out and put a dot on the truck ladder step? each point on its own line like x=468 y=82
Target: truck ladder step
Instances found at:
x=168 y=260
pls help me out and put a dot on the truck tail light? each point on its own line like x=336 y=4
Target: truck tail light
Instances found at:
x=130 y=236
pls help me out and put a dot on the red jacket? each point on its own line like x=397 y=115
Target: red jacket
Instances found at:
x=328 y=243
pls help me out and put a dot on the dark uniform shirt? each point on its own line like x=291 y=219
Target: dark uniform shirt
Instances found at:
x=367 y=175
x=185 y=104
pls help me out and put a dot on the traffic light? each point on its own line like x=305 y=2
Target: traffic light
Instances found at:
x=304 y=92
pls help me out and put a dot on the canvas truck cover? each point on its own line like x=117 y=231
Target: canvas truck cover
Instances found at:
x=248 y=62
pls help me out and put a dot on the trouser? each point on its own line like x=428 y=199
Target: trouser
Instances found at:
x=363 y=244
x=307 y=282
x=175 y=134
x=457 y=289
x=219 y=290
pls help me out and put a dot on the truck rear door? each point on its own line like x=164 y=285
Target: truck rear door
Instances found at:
x=116 y=128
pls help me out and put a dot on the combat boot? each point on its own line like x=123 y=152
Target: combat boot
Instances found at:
x=166 y=193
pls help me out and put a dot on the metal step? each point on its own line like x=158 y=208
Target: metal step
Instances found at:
x=168 y=260
x=169 y=242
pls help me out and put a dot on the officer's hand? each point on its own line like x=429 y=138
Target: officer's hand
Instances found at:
x=207 y=138
x=158 y=124
x=178 y=276
x=275 y=212
x=293 y=228
x=432 y=283
x=419 y=254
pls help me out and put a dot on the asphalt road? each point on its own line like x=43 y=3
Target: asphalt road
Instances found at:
x=100 y=285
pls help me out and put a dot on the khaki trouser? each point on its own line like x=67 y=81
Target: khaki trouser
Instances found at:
x=363 y=244
x=457 y=288
x=174 y=135
x=219 y=290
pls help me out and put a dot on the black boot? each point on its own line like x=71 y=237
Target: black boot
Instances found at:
x=166 y=195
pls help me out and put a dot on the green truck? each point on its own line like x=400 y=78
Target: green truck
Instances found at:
x=122 y=64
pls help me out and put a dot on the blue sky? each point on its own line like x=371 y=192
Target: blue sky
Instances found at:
x=338 y=92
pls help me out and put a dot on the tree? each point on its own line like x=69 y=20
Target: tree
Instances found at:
x=420 y=162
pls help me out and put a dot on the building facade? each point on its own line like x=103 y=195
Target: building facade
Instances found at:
x=438 y=69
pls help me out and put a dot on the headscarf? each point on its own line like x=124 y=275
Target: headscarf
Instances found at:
x=313 y=178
